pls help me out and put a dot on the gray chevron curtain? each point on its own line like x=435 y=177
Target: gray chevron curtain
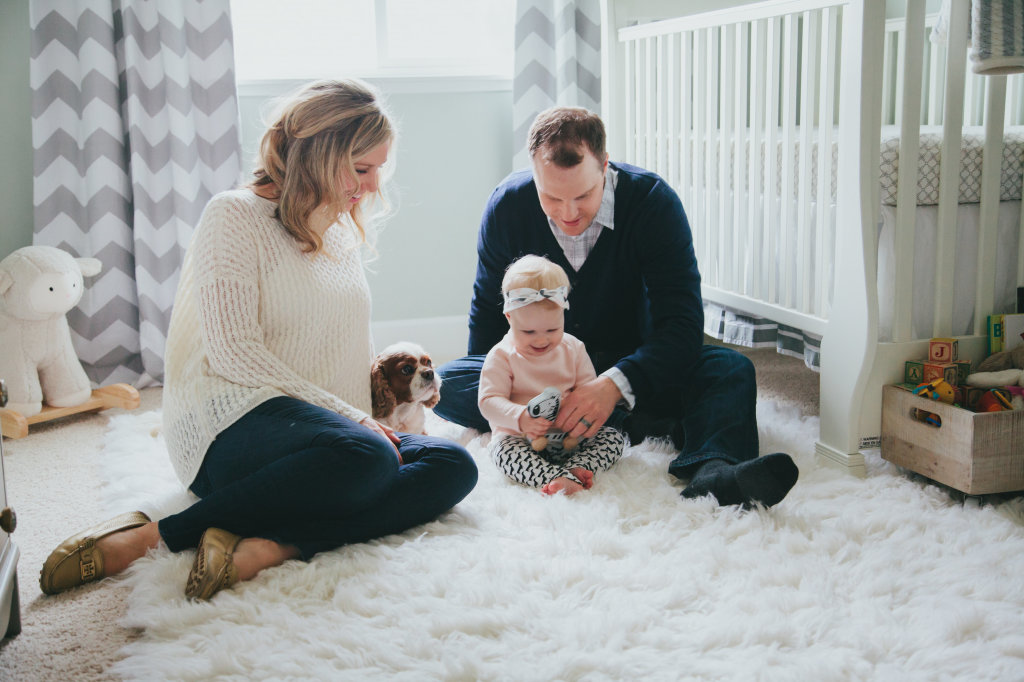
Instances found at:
x=134 y=127
x=557 y=62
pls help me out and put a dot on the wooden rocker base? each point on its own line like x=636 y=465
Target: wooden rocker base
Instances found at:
x=15 y=425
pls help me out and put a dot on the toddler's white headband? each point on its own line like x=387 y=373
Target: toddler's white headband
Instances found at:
x=517 y=298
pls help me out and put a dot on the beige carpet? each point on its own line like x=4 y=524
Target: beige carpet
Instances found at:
x=53 y=486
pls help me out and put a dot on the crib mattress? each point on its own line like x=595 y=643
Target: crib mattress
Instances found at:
x=930 y=156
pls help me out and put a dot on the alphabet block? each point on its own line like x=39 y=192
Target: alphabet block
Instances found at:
x=942 y=350
x=939 y=370
x=963 y=368
x=913 y=372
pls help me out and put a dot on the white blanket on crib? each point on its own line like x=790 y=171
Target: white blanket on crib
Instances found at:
x=964 y=272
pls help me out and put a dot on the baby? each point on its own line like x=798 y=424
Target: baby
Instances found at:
x=534 y=355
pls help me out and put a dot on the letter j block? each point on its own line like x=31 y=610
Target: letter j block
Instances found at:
x=942 y=350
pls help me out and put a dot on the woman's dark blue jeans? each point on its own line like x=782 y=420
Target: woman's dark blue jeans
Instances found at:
x=305 y=476
x=714 y=417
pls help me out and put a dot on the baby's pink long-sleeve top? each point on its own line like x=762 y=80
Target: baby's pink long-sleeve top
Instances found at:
x=509 y=380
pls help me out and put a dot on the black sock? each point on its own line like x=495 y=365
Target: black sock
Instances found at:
x=764 y=480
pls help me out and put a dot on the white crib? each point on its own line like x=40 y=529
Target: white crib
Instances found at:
x=768 y=120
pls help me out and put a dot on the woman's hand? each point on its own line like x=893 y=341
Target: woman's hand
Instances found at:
x=387 y=432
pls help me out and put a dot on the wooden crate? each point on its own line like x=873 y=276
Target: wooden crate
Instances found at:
x=976 y=453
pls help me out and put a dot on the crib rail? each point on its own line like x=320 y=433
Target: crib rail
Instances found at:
x=709 y=106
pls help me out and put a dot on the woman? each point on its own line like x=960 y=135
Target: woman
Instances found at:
x=267 y=392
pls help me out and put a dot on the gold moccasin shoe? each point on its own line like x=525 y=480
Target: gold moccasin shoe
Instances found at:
x=78 y=560
x=214 y=568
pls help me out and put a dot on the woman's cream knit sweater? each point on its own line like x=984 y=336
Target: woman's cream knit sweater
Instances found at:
x=255 y=318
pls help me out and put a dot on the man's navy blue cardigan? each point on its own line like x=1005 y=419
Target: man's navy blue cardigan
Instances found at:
x=636 y=301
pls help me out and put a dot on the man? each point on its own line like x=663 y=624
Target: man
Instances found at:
x=621 y=234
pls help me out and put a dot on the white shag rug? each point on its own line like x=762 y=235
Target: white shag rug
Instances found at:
x=888 y=578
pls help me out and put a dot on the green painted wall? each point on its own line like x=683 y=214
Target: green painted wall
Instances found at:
x=15 y=128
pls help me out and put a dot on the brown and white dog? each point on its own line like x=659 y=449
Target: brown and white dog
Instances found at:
x=403 y=382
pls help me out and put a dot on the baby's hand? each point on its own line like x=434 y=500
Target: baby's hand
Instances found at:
x=533 y=427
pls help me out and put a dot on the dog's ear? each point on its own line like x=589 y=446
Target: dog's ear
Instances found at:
x=380 y=389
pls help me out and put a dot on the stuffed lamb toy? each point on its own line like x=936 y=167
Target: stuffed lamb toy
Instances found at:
x=38 y=285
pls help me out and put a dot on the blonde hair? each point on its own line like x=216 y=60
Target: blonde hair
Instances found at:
x=534 y=272
x=315 y=136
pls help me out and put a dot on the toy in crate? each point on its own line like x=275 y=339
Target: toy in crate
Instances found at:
x=998 y=383
x=942 y=362
x=941 y=375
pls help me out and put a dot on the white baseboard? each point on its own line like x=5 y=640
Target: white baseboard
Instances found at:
x=445 y=338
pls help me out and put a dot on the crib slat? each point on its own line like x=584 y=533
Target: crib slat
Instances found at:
x=906 y=197
x=660 y=113
x=700 y=142
x=740 y=225
x=808 y=97
x=887 y=77
x=824 y=226
x=673 y=103
x=900 y=57
x=1015 y=85
x=638 y=102
x=949 y=168
x=772 y=94
x=639 y=118
x=969 y=100
x=629 y=86
x=786 y=232
x=650 y=105
x=686 y=150
x=710 y=99
x=988 y=228
x=935 y=71
x=890 y=93
x=755 y=170
x=725 y=157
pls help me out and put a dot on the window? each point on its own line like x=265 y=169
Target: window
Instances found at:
x=304 y=39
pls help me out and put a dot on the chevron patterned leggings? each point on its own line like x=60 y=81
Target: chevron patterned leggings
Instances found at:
x=520 y=462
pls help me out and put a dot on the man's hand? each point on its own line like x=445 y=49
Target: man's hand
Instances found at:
x=585 y=409
x=533 y=427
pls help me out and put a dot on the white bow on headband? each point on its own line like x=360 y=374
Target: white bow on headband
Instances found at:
x=517 y=298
